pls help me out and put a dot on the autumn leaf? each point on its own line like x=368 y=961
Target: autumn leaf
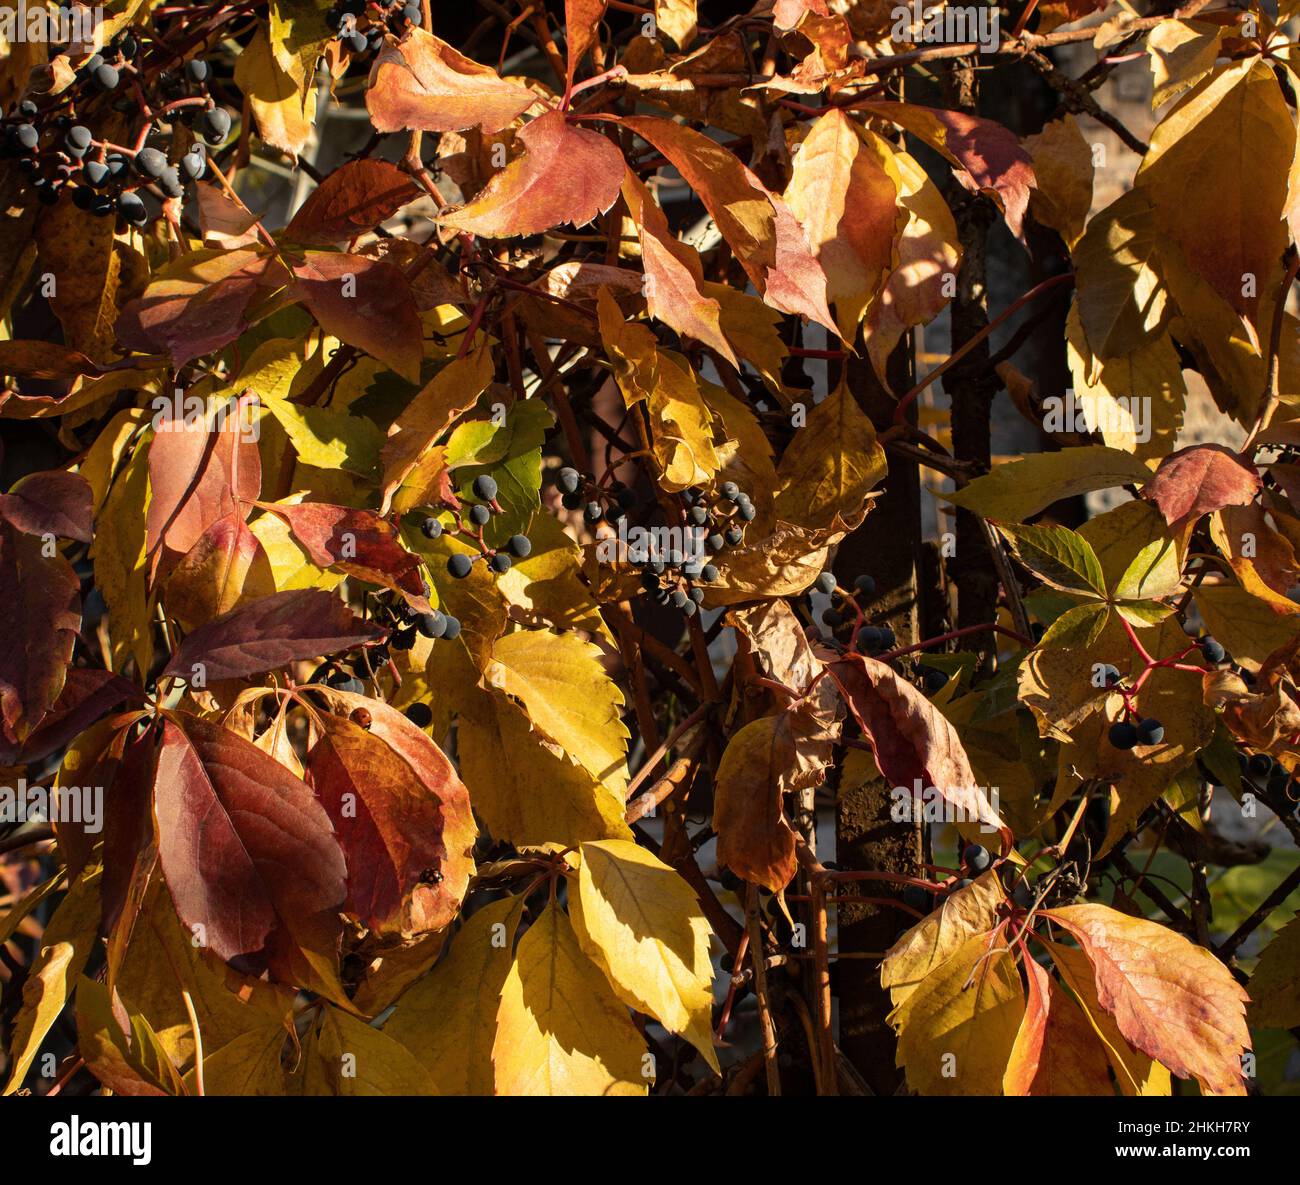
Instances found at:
x=249 y=855
x=454 y=1044
x=1200 y=479
x=755 y=839
x=957 y=1028
x=270 y=633
x=641 y=923
x=353 y=199
x=1170 y=999
x=561 y=1030
x=37 y=631
x=366 y=303
x=199 y=303
x=962 y=914
x=53 y=502
x=65 y=947
x=568 y=697
x=566 y=175
x=357 y=541
x=422 y=84
x=1014 y=492
x=844 y=191
x=831 y=465
x=914 y=745
x=1056 y=1050
x=987 y=157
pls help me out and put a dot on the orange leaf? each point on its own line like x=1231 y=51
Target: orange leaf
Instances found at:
x=568 y=174
x=1172 y=1000
x=421 y=84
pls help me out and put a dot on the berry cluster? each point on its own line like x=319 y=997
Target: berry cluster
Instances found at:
x=673 y=576
x=59 y=153
x=844 y=616
x=596 y=503
x=1271 y=777
x=359 y=26
x=471 y=524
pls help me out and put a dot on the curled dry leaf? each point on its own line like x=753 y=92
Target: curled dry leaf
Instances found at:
x=422 y=84
x=914 y=744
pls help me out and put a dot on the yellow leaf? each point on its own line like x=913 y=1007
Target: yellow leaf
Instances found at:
x=928 y=944
x=568 y=696
x=248 y=1066
x=359 y=1060
x=1235 y=134
x=1062 y=193
x=828 y=469
x=69 y=937
x=1182 y=53
x=1250 y=627
x=448 y=1020
x=1136 y=400
x=1011 y=493
x=956 y=1029
x=283 y=107
x=526 y=793
x=677 y=19
x=642 y=925
x=547 y=584
x=119 y=556
x=560 y=1028
x=1275 y=985
x=680 y=424
x=161 y=959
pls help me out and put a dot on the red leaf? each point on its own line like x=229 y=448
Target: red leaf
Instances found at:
x=42 y=613
x=767 y=239
x=130 y=837
x=198 y=304
x=200 y=470
x=357 y=541
x=581 y=21
x=270 y=633
x=352 y=200
x=402 y=816
x=568 y=174
x=1199 y=480
x=248 y=854
x=422 y=84
x=365 y=302
x=911 y=739
x=87 y=696
x=54 y=502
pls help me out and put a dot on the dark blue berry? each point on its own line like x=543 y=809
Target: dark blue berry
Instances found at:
x=1122 y=735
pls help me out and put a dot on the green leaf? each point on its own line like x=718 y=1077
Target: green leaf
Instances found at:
x=1080 y=626
x=329 y=439
x=1059 y=556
